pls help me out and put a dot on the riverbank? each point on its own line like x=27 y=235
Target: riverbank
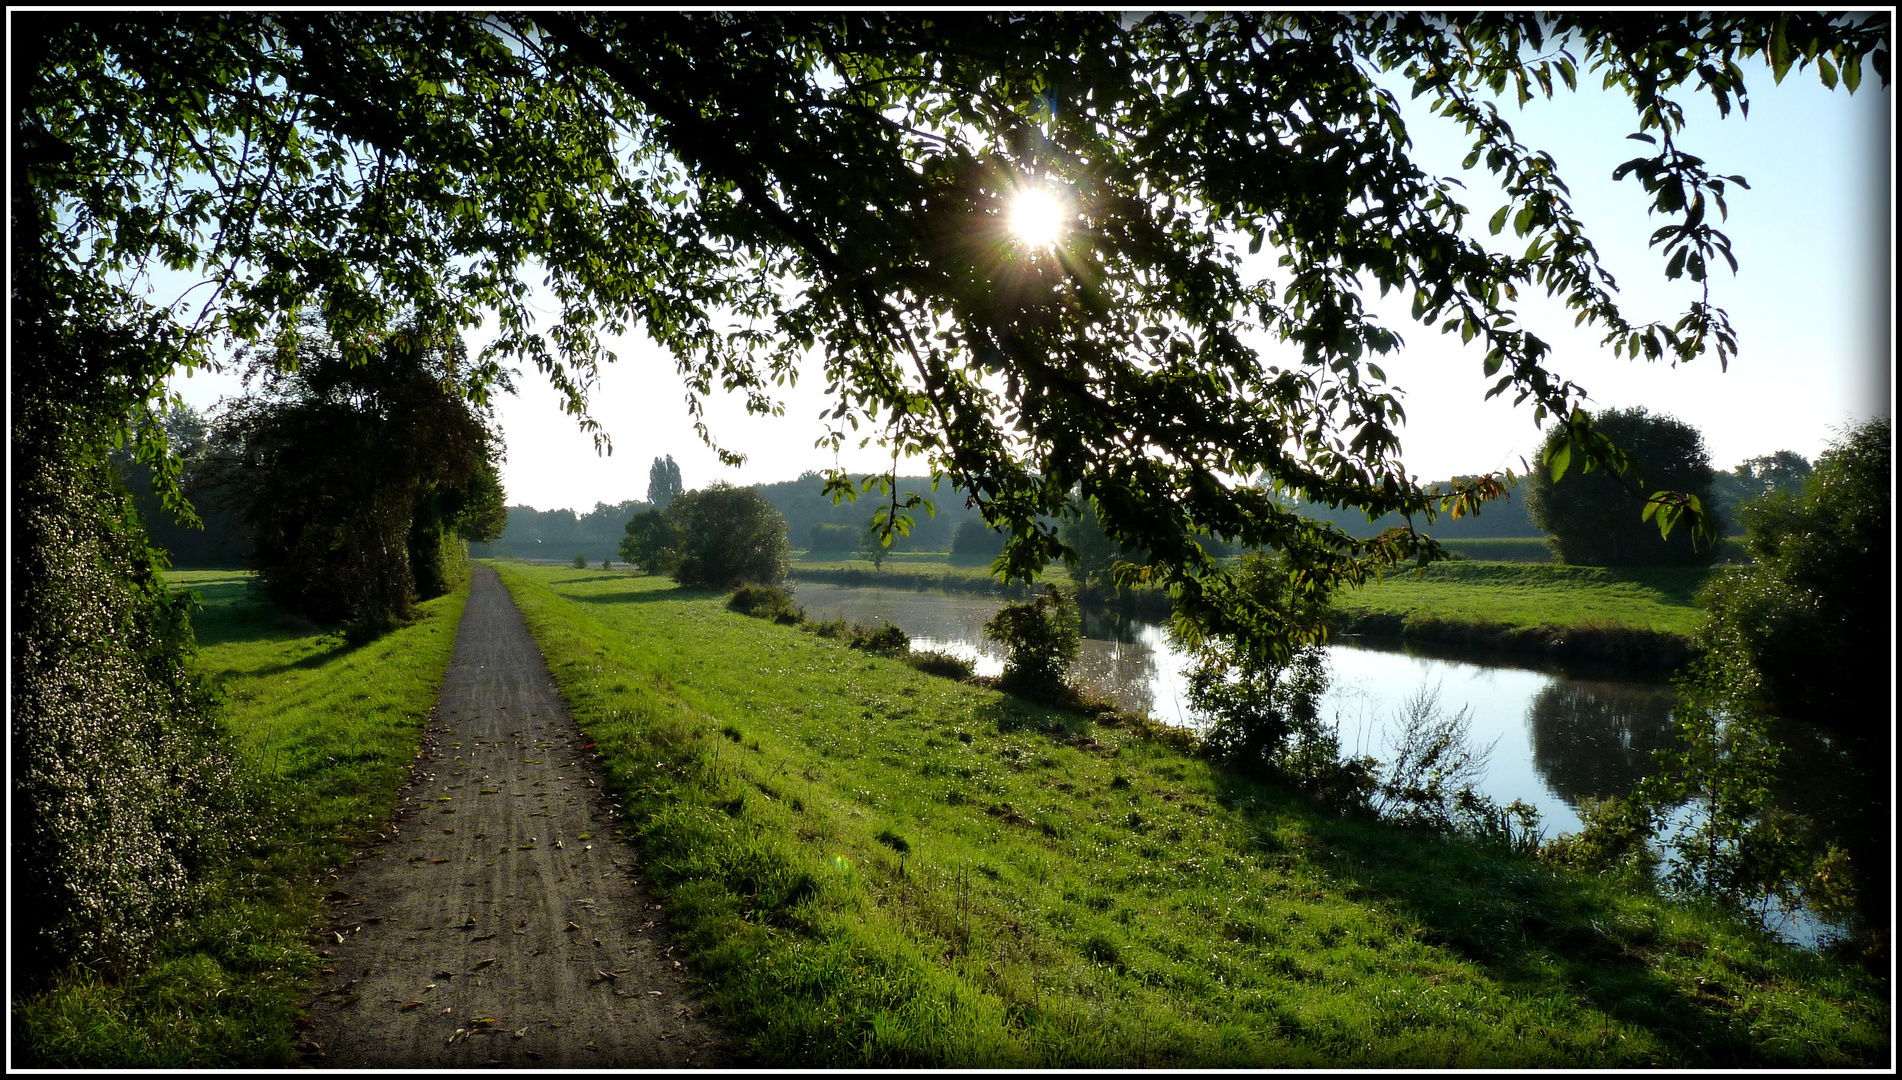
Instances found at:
x=1642 y=621
x=1637 y=620
x=328 y=730
x=874 y=867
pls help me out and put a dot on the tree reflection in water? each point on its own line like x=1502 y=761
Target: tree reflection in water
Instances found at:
x=1593 y=740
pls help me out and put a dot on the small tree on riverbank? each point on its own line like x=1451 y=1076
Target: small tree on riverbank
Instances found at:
x=1042 y=638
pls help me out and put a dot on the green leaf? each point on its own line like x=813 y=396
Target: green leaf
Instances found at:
x=1560 y=460
x=1780 y=57
x=1827 y=70
x=1493 y=360
x=1522 y=221
x=1499 y=219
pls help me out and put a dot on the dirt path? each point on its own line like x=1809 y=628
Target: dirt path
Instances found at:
x=501 y=922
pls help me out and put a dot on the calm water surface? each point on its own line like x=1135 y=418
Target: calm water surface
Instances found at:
x=1557 y=740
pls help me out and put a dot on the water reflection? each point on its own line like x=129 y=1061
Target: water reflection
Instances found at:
x=1558 y=740
x=1593 y=740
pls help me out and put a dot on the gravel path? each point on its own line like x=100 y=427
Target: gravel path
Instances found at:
x=501 y=921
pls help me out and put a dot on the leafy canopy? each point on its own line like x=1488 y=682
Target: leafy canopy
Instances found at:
x=751 y=187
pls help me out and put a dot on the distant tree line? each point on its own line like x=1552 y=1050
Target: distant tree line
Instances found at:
x=561 y=534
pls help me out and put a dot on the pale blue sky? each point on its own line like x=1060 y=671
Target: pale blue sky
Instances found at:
x=1810 y=305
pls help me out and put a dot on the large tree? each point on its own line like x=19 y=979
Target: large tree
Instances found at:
x=360 y=482
x=1593 y=517
x=728 y=536
x=751 y=188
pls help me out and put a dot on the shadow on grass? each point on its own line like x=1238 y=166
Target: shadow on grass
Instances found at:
x=1537 y=931
x=649 y=596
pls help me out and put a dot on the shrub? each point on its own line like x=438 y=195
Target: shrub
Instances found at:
x=581 y=562
x=125 y=794
x=1041 y=638
x=943 y=664
x=1809 y=622
x=1615 y=838
x=1265 y=719
x=1434 y=762
x=728 y=535
x=887 y=640
x=773 y=602
x=1738 y=847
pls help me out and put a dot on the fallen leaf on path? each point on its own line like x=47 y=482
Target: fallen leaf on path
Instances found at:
x=408 y=1005
x=480 y=964
x=655 y=993
x=482 y=937
x=521 y=1033
x=573 y=926
x=485 y=1021
x=607 y=975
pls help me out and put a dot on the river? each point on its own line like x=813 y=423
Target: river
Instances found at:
x=1557 y=738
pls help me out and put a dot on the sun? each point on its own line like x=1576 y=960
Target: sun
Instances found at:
x=1037 y=216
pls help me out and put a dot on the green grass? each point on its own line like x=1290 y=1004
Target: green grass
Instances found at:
x=1533 y=595
x=869 y=866
x=917 y=570
x=328 y=731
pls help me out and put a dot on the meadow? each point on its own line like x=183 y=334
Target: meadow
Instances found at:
x=870 y=866
x=1638 y=619
x=327 y=731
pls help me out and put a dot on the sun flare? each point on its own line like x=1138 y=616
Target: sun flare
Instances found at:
x=1037 y=216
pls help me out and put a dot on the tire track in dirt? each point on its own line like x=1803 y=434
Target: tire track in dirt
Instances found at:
x=501 y=921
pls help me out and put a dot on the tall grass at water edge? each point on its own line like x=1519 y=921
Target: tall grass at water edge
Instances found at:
x=868 y=866
x=327 y=730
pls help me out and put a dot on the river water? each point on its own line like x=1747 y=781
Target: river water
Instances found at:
x=1557 y=739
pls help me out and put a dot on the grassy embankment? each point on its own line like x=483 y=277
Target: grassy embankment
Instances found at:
x=913 y=570
x=872 y=866
x=1639 y=618
x=328 y=730
x=1631 y=618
